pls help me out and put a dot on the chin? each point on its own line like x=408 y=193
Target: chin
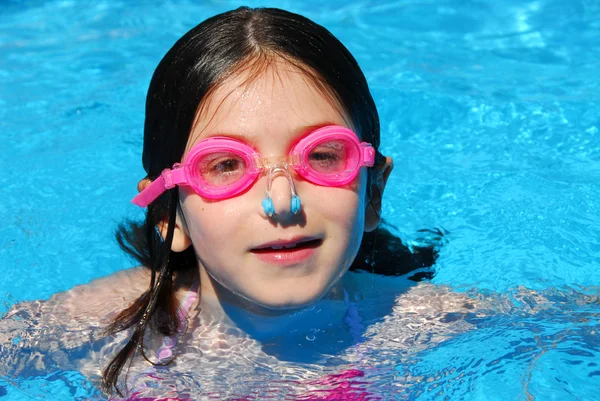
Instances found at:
x=287 y=302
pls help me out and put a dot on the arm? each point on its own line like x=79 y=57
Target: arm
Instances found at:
x=36 y=335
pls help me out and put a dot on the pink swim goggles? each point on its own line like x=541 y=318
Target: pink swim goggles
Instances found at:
x=221 y=167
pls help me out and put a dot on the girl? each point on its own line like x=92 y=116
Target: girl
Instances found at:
x=264 y=187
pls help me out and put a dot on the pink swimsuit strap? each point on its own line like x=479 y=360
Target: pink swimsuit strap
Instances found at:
x=190 y=297
x=169 y=342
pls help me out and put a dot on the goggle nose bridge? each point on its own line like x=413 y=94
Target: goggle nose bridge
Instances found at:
x=264 y=163
x=267 y=203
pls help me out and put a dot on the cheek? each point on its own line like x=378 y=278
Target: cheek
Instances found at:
x=343 y=207
x=211 y=225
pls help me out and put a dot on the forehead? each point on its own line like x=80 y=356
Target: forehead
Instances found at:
x=276 y=102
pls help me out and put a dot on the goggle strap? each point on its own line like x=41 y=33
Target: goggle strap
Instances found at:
x=167 y=180
x=368 y=154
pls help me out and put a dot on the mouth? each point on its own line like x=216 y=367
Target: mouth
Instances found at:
x=288 y=246
x=285 y=253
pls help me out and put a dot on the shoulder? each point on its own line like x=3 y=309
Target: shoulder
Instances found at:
x=430 y=299
x=102 y=299
x=37 y=334
x=424 y=315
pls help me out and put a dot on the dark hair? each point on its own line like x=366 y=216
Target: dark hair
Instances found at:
x=194 y=67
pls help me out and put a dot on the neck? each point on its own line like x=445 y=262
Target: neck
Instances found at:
x=264 y=324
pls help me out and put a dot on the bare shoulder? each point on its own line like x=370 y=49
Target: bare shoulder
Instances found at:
x=102 y=299
x=427 y=298
x=424 y=315
x=37 y=334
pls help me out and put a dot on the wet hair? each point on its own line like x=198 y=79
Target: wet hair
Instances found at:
x=192 y=69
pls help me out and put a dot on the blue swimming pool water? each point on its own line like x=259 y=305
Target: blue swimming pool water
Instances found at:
x=490 y=110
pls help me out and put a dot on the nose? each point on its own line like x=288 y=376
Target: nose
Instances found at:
x=281 y=198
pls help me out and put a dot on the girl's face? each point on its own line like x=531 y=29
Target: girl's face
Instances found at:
x=236 y=243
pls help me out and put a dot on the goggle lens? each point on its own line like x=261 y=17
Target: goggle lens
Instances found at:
x=331 y=157
x=221 y=169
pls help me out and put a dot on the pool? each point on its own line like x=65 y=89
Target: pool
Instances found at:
x=490 y=110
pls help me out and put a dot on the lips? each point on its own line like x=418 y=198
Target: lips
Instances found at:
x=288 y=245
x=291 y=252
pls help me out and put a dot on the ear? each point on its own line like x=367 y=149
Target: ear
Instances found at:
x=181 y=240
x=143 y=184
x=378 y=180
